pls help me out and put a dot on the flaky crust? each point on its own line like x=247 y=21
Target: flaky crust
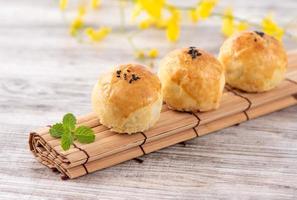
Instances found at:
x=191 y=83
x=128 y=99
x=253 y=61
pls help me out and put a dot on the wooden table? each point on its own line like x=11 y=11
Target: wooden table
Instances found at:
x=44 y=73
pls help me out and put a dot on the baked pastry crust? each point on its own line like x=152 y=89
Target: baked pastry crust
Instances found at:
x=192 y=80
x=253 y=61
x=128 y=99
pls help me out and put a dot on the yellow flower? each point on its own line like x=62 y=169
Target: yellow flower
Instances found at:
x=205 y=7
x=173 y=25
x=228 y=22
x=139 y=54
x=158 y=23
x=76 y=24
x=270 y=27
x=152 y=7
x=153 y=53
x=193 y=15
x=203 y=10
x=95 y=4
x=229 y=26
x=98 y=35
x=63 y=4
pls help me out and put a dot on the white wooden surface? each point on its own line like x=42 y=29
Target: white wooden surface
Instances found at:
x=44 y=73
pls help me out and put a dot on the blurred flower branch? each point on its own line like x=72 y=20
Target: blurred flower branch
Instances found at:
x=160 y=14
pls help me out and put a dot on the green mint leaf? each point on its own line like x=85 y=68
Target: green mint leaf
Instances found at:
x=57 y=130
x=84 y=134
x=69 y=121
x=66 y=140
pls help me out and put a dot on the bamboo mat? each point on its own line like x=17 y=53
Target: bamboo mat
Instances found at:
x=173 y=127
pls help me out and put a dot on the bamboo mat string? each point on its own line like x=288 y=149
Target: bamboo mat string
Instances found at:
x=198 y=123
x=145 y=138
x=55 y=170
x=140 y=146
x=138 y=160
x=292 y=81
x=64 y=177
x=229 y=88
x=88 y=156
x=184 y=144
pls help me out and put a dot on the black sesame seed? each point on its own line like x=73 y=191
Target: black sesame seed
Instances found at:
x=255 y=39
x=125 y=76
x=259 y=33
x=194 y=52
x=134 y=77
x=128 y=70
x=118 y=72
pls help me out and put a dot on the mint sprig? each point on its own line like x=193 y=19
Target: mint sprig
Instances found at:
x=68 y=132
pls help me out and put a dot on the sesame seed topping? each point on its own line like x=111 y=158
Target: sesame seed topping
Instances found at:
x=259 y=33
x=194 y=52
x=134 y=77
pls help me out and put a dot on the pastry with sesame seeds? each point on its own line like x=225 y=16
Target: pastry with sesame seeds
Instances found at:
x=192 y=80
x=254 y=61
x=128 y=99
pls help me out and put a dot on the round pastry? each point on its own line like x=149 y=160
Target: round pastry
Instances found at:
x=192 y=80
x=128 y=99
x=253 y=61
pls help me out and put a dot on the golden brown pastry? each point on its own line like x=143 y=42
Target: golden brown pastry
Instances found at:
x=129 y=99
x=192 y=80
x=253 y=61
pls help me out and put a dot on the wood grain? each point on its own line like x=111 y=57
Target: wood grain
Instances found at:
x=43 y=70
